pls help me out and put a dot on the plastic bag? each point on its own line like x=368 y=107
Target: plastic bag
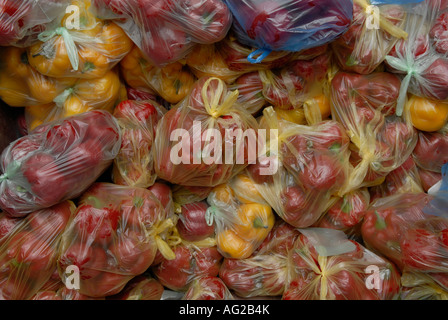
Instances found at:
x=325 y=265
x=399 y=228
x=143 y=287
x=186 y=194
x=375 y=29
x=346 y=212
x=192 y=261
x=113 y=237
x=22 y=20
x=380 y=141
x=421 y=59
x=206 y=60
x=288 y=25
x=208 y=288
x=235 y=55
x=81 y=96
x=241 y=216
x=202 y=149
x=250 y=87
x=301 y=169
x=404 y=179
x=134 y=164
x=419 y=286
x=172 y=82
x=165 y=30
x=28 y=250
x=430 y=152
x=87 y=51
x=57 y=161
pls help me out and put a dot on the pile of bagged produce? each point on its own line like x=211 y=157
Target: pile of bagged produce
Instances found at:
x=224 y=149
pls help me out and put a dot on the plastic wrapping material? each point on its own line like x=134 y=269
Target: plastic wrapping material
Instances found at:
x=134 y=164
x=114 y=237
x=344 y=275
x=172 y=82
x=241 y=216
x=399 y=228
x=419 y=286
x=80 y=96
x=372 y=34
x=428 y=178
x=235 y=55
x=421 y=58
x=288 y=25
x=143 y=287
x=63 y=293
x=346 y=212
x=380 y=141
x=192 y=224
x=87 y=51
x=208 y=288
x=404 y=179
x=302 y=168
x=294 y=85
x=206 y=60
x=28 y=250
x=192 y=261
x=22 y=20
x=165 y=30
x=250 y=87
x=430 y=152
x=57 y=161
x=186 y=194
x=188 y=153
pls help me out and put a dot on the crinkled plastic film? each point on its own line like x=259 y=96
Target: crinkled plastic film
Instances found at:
x=166 y=31
x=85 y=52
x=134 y=164
x=185 y=148
x=28 y=250
x=113 y=237
x=57 y=161
x=380 y=141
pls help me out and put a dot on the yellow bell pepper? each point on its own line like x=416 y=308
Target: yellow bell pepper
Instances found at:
x=172 y=82
x=245 y=190
x=427 y=115
x=255 y=221
x=294 y=115
x=21 y=85
x=230 y=245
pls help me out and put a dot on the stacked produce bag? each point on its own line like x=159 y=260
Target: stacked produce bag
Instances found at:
x=224 y=150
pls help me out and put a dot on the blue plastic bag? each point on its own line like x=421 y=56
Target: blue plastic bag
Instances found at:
x=438 y=206
x=288 y=25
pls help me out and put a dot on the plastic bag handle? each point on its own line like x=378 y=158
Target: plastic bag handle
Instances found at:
x=260 y=55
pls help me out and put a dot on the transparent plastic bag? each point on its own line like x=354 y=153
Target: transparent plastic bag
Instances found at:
x=28 y=250
x=419 y=286
x=165 y=30
x=134 y=164
x=208 y=288
x=186 y=194
x=301 y=168
x=22 y=20
x=241 y=217
x=85 y=52
x=143 y=287
x=57 y=161
x=375 y=29
x=421 y=58
x=380 y=141
x=325 y=265
x=113 y=237
x=76 y=97
x=195 y=141
x=288 y=25
x=192 y=261
x=430 y=152
x=172 y=82
x=405 y=229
